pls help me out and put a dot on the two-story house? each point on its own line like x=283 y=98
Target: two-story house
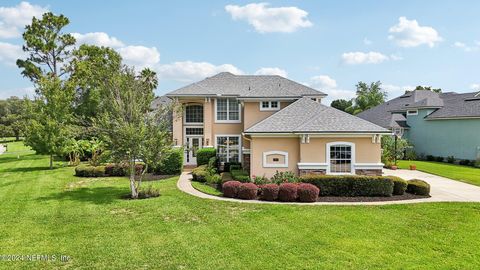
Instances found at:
x=270 y=123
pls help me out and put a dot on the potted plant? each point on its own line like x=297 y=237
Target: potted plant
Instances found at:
x=393 y=167
x=413 y=167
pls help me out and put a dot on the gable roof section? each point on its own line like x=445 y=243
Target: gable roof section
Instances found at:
x=247 y=86
x=458 y=106
x=308 y=116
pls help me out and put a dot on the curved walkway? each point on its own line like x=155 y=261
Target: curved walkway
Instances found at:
x=442 y=190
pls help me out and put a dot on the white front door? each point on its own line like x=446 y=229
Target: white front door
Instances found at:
x=192 y=144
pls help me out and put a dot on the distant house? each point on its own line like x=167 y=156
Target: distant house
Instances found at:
x=270 y=123
x=438 y=124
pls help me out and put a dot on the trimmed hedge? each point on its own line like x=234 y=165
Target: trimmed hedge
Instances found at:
x=115 y=169
x=418 y=187
x=399 y=185
x=287 y=192
x=307 y=192
x=89 y=171
x=172 y=163
x=240 y=175
x=200 y=173
x=230 y=188
x=269 y=192
x=351 y=185
x=247 y=191
x=204 y=155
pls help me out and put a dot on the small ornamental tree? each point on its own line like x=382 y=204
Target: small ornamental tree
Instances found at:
x=128 y=126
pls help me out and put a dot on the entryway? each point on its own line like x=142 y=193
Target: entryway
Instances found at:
x=192 y=144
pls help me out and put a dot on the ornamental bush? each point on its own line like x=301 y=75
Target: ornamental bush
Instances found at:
x=89 y=171
x=287 y=192
x=172 y=163
x=200 y=173
x=115 y=169
x=399 y=185
x=307 y=192
x=240 y=175
x=418 y=187
x=205 y=154
x=230 y=188
x=269 y=192
x=351 y=185
x=247 y=191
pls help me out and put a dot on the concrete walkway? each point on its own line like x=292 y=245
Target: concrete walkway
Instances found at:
x=442 y=190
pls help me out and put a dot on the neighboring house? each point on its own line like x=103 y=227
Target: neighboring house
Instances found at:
x=445 y=124
x=270 y=123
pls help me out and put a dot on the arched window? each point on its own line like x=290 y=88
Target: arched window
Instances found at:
x=340 y=158
x=194 y=114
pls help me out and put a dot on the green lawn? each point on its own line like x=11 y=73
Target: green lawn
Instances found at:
x=52 y=212
x=458 y=172
x=206 y=188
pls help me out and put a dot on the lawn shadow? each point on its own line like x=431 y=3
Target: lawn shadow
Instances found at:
x=95 y=195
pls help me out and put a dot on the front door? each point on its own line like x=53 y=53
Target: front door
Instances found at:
x=192 y=144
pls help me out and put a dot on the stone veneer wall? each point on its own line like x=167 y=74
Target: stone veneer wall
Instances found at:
x=369 y=172
x=312 y=171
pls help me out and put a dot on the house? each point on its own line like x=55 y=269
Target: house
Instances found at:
x=270 y=123
x=438 y=124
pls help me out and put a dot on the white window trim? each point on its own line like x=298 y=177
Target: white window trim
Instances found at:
x=268 y=165
x=185 y=115
x=415 y=112
x=239 y=144
x=228 y=113
x=352 y=162
x=269 y=105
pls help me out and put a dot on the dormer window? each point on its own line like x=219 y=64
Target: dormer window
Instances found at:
x=269 y=105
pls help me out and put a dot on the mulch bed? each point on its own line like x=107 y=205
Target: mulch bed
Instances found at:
x=406 y=196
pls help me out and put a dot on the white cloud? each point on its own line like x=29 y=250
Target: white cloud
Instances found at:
x=97 y=38
x=367 y=41
x=271 y=71
x=323 y=82
x=408 y=33
x=267 y=19
x=475 y=86
x=355 y=58
x=20 y=92
x=140 y=56
x=9 y=53
x=188 y=71
x=14 y=19
x=467 y=48
x=396 y=57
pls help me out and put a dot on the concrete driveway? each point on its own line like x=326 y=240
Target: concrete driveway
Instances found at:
x=442 y=189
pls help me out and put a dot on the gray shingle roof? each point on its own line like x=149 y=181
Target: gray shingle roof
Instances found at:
x=159 y=101
x=447 y=105
x=306 y=115
x=246 y=86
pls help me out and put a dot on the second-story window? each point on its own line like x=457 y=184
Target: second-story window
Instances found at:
x=269 y=106
x=228 y=110
x=194 y=114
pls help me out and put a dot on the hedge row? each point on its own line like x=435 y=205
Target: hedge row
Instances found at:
x=351 y=185
x=418 y=187
x=286 y=192
x=89 y=171
x=240 y=175
x=84 y=170
x=205 y=154
x=172 y=162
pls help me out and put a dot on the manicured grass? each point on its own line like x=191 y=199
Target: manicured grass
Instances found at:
x=465 y=174
x=52 y=212
x=206 y=188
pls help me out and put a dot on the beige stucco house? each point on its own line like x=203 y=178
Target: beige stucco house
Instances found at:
x=270 y=123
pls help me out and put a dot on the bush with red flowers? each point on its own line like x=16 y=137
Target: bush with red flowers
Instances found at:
x=230 y=189
x=269 y=192
x=287 y=192
x=307 y=192
x=247 y=191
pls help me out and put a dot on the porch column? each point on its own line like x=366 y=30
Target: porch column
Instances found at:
x=177 y=128
x=207 y=122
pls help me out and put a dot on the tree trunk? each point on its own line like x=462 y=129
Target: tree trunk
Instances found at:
x=17 y=136
x=133 y=188
x=51 y=162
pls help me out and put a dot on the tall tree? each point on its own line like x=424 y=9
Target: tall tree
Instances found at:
x=428 y=88
x=368 y=96
x=48 y=48
x=126 y=123
x=12 y=115
x=49 y=117
x=341 y=104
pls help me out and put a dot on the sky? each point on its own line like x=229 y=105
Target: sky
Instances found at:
x=327 y=45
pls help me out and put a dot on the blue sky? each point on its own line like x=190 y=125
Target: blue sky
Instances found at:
x=329 y=45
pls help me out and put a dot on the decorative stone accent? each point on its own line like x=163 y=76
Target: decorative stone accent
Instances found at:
x=312 y=171
x=369 y=172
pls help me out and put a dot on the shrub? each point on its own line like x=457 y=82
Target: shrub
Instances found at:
x=172 y=163
x=464 y=162
x=247 y=191
x=99 y=171
x=149 y=192
x=418 y=187
x=284 y=177
x=226 y=176
x=200 y=173
x=399 y=185
x=476 y=163
x=410 y=154
x=287 y=192
x=235 y=167
x=260 y=180
x=269 y=192
x=450 y=159
x=230 y=189
x=351 y=185
x=307 y=192
x=214 y=179
x=228 y=166
x=89 y=171
x=240 y=175
x=205 y=154
x=430 y=158
x=80 y=170
x=439 y=159
x=115 y=169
